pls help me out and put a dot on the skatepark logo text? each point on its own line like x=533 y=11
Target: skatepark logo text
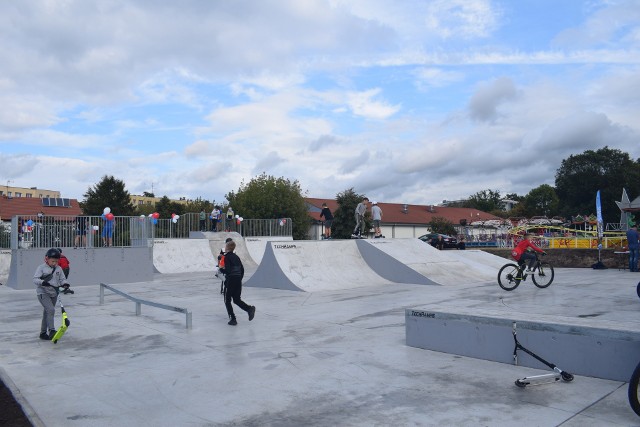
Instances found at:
x=423 y=314
x=284 y=246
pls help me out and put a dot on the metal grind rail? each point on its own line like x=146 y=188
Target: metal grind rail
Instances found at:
x=139 y=303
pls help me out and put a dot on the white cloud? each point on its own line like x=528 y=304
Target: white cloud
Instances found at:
x=484 y=103
x=362 y=104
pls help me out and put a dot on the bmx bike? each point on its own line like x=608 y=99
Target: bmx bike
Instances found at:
x=511 y=274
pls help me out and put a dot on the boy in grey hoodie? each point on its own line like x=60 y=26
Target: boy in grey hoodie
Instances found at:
x=48 y=278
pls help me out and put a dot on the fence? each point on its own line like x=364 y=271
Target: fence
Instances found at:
x=139 y=303
x=38 y=231
x=167 y=228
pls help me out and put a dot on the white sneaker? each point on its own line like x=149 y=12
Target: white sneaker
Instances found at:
x=530 y=271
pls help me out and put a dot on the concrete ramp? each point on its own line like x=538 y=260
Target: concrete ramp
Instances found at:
x=312 y=266
x=256 y=246
x=5 y=265
x=217 y=241
x=443 y=267
x=183 y=255
x=482 y=257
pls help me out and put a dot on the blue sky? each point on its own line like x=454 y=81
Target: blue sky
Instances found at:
x=406 y=102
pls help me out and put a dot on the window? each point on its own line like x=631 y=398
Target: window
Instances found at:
x=9 y=194
x=18 y=194
x=29 y=195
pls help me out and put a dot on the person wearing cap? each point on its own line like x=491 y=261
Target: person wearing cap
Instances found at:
x=376 y=215
x=48 y=279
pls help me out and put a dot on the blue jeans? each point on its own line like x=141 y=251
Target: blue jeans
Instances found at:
x=633 y=259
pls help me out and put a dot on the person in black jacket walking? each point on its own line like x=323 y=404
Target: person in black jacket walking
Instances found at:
x=234 y=272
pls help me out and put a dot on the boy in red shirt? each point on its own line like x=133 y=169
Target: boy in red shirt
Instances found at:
x=520 y=252
x=64 y=265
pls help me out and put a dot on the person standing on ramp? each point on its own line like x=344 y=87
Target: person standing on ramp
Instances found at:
x=359 y=214
x=234 y=272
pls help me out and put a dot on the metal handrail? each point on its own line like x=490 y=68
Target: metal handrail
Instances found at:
x=139 y=303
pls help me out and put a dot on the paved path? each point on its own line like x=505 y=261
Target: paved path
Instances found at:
x=309 y=358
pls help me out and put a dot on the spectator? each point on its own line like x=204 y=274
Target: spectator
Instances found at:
x=634 y=247
x=215 y=218
x=376 y=215
x=81 y=232
x=328 y=220
x=203 y=219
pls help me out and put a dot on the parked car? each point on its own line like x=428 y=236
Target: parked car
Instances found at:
x=449 y=242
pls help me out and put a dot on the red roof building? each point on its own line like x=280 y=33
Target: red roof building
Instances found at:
x=12 y=206
x=398 y=213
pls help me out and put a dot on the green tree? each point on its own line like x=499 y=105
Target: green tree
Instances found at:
x=165 y=207
x=344 y=217
x=580 y=177
x=485 y=200
x=443 y=226
x=197 y=205
x=109 y=192
x=268 y=197
x=542 y=201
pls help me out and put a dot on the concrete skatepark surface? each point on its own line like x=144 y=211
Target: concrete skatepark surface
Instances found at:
x=331 y=357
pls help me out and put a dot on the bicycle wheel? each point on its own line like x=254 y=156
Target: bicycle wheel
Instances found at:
x=543 y=275
x=633 y=390
x=509 y=277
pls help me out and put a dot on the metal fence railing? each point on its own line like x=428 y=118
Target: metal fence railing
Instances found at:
x=167 y=228
x=43 y=231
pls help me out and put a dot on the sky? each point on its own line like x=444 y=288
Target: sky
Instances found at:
x=404 y=101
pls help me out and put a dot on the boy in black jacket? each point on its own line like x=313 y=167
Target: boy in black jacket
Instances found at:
x=234 y=272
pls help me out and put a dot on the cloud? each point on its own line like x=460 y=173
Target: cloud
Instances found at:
x=616 y=22
x=353 y=164
x=268 y=163
x=362 y=104
x=483 y=105
x=461 y=18
x=427 y=77
x=322 y=142
x=585 y=131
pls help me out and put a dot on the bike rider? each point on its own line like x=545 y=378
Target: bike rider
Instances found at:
x=522 y=255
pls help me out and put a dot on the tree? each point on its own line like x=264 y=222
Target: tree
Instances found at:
x=485 y=200
x=197 y=205
x=109 y=192
x=542 y=201
x=268 y=197
x=165 y=207
x=580 y=177
x=344 y=220
x=442 y=226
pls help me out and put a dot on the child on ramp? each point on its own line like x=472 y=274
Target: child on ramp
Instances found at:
x=234 y=272
x=48 y=278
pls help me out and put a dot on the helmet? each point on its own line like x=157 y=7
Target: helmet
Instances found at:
x=53 y=253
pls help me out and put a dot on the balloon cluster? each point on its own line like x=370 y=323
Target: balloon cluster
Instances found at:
x=239 y=219
x=106 y=214
x=154 y=217
x=174 y=218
